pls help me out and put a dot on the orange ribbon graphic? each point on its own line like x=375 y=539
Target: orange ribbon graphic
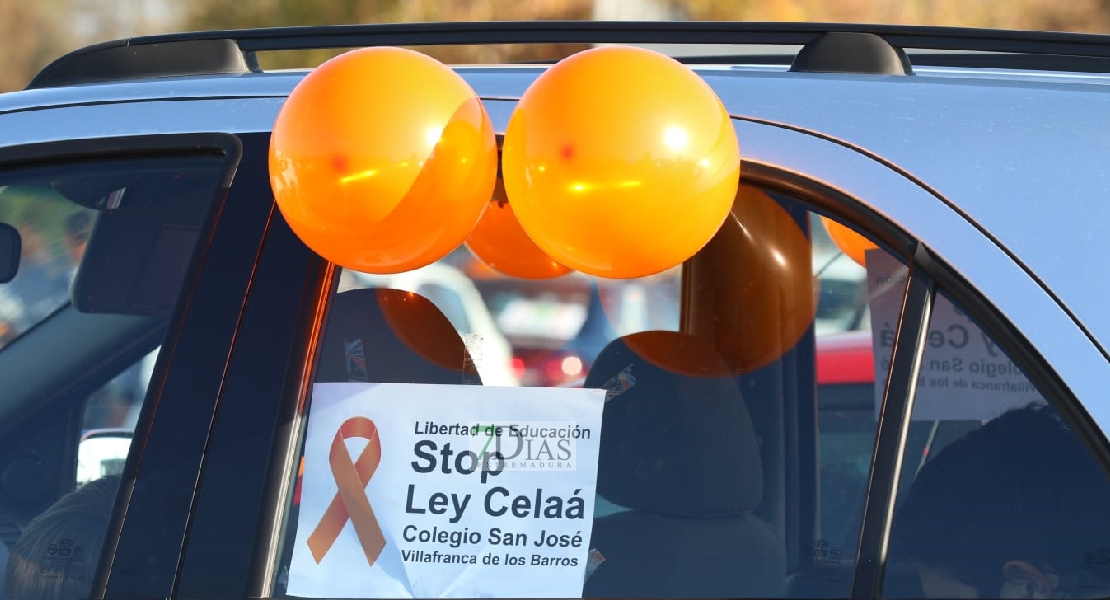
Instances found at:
x=350 y=502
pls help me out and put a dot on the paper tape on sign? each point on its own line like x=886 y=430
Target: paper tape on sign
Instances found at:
x=414 y=490
x=964 y=376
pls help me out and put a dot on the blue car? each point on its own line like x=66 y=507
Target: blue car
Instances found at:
x=279 y=438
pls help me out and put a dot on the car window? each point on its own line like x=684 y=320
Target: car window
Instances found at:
x=728 y=458
x=1004 y=499
x=106 y=245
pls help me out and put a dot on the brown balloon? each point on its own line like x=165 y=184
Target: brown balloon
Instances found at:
x=757 y=274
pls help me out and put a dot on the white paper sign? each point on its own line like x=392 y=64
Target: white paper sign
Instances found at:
x=414 y=490
x=964 y=374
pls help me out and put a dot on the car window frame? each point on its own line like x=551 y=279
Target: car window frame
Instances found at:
x=283 y=310
x=831 y=176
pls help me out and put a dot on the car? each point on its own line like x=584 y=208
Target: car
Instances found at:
x=293 y=440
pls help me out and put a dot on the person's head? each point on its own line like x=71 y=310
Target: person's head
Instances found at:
x=78 y=227
x=1017 y=508
x=55 y=558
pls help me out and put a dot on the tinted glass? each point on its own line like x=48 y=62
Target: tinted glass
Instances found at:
x=106 y=245
x=726 y=455
x=1003 y=499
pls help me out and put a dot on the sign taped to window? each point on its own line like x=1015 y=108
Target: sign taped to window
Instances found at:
x=414 y=490
x=965 y=375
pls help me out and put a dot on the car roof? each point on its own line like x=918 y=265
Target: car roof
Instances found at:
x=1021 y=153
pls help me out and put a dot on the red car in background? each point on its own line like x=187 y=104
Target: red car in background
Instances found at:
x=845 y=359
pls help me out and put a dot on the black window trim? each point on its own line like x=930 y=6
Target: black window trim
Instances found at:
x=289 y=440
x=893 y=429
x=122 y=147
x=249 y=463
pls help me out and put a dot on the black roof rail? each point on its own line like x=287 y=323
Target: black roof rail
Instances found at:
x=851 y=52
x=132 y=58
x=122 y=59
x=969 y=60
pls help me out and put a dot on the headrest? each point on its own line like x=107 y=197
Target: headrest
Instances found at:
x=391 y=336
x=678 y=439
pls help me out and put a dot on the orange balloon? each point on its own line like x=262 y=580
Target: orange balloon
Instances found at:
x=499 y=242
x=620 y=162
x=850 y=243
x=771 y=302
x=382 y=160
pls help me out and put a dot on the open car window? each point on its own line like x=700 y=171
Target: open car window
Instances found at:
x=671 y=467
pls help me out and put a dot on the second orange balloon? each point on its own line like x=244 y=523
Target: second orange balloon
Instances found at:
x=499 y=241
x=620 y=162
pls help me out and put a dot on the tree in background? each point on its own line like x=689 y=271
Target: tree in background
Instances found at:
x=1077 y=15
x=32 y=37
x=219 y=14
x=1046 y=15
x=35 y=32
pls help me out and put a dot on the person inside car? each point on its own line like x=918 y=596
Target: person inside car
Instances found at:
x=56 y=555
x=1017 y=508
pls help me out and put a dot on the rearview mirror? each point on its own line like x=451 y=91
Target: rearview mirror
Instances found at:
x=11 y=245
x=102 y=452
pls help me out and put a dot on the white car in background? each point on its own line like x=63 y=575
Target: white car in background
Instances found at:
x=460 y=301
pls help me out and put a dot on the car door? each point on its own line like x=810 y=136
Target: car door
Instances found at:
x=242 y=516
x=152 y=256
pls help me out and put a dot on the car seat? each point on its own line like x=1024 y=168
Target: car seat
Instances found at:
x=385 y=335
x=678 y=450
